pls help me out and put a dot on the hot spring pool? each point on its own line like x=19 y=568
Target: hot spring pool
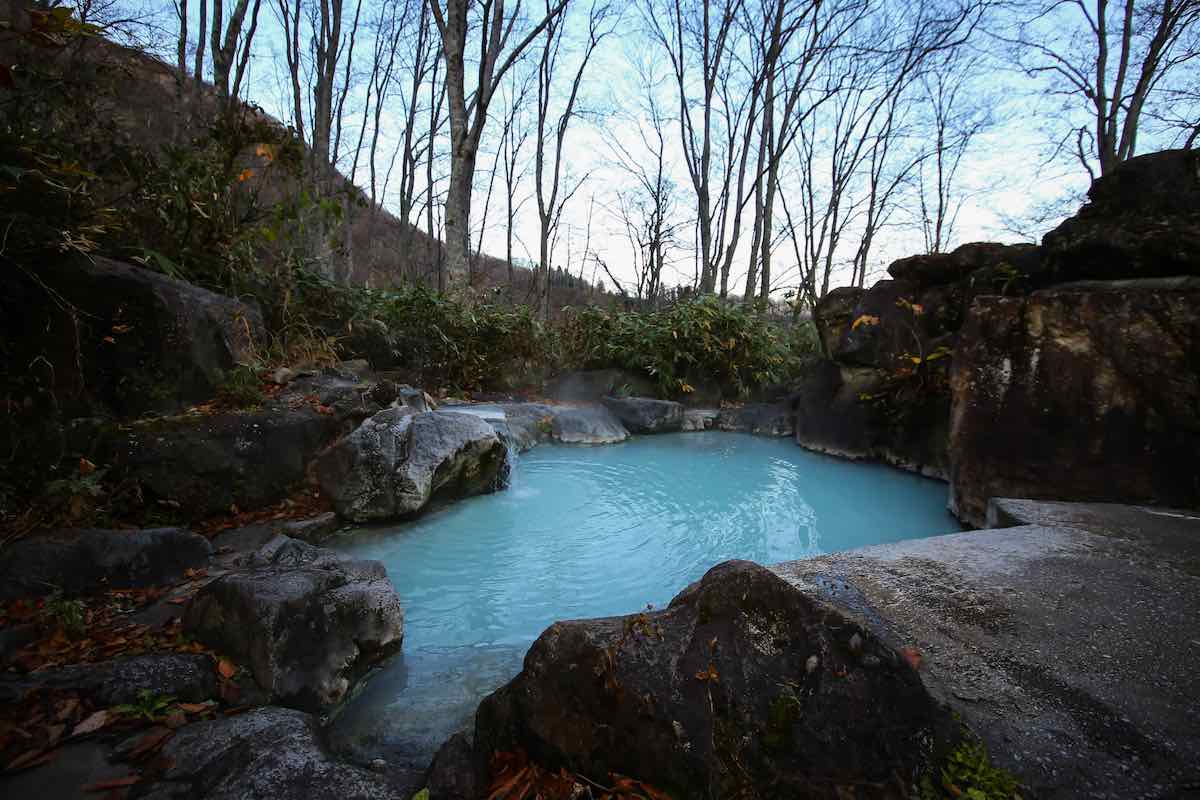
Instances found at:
x=598 y=531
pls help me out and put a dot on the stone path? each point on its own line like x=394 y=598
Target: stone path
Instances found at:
x=1067 y=637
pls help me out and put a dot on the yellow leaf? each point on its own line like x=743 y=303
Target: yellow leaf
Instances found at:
x=265 y=152
x=245 y=174
x=865 y=319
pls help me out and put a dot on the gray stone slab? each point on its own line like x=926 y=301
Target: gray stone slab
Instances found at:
x=1068 y=642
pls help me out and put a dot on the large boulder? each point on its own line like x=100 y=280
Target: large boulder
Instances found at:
x=646 y=415
x=308 y=622
x=79 y=561
x=124 y=339
x=586 y=425
x=744 y=686
x=1142 y=221
x=397 y=463
x=1078 y=394
x=269 y=752
x=206 y=464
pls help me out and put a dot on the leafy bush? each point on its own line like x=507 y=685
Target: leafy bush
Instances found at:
x=702 y=338
x=447 y=342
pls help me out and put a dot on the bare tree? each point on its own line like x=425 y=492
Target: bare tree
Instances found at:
x=513 y=135
x=956 y=118
x=231 y=51
x=1106 y=62
x=692 y=29
x=646 y=211
x=468 y=110
x=554 y=116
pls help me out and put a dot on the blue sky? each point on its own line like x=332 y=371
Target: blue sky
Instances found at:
x=1009 y=170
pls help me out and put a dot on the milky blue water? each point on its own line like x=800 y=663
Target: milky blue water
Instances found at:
x=598 y=531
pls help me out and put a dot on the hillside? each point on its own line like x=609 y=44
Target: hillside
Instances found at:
x=137 y=104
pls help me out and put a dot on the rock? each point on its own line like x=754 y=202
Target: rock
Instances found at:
x=712 y=697
x=307 y=622
x=587 y=425
x=78 y=561
x=699 y=419
x=1053 y=640
x=1142 y=221
x=412 y=398
x=265 y=753
x=313 y=530
x=343 y=396
x=864 y=413
x=1078 y=395
x=398 y=462
x=143 y=342
x=936 y=269
x=830 y=416
x=761 y=419
x=208 y=463
x=887 y=330
x=705 y=392
x=186 y=677
x=455 y=774
x=832 y=315
x=523 y=425
x=285 y=375
x=590 y=386
x=645 y=415
x=370 y=341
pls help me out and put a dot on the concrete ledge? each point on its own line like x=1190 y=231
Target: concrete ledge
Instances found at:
x=1068 y=642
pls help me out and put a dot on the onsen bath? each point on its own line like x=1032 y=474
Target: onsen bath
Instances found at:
x=599 y=531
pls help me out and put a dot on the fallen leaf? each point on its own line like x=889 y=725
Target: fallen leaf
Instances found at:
x=92 y=724
x=86 y=467
x=151 y=741
x=54 y=733
x=913 y=656
x=176 y=719
x=226 y=668
x=115 y=783
x=195 y=708
x=31 y=758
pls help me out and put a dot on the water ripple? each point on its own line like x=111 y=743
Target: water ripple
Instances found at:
x=595 y=531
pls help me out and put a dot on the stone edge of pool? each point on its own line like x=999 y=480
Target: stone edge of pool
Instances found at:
x=1064 y=635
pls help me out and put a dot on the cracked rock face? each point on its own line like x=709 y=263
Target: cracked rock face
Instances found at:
x=744 y=686
x=308 y=622
x=398 y=462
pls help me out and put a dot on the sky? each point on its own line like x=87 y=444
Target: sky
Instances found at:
x=1007 y=173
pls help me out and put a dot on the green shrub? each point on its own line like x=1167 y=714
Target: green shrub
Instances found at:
x=698 y=339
